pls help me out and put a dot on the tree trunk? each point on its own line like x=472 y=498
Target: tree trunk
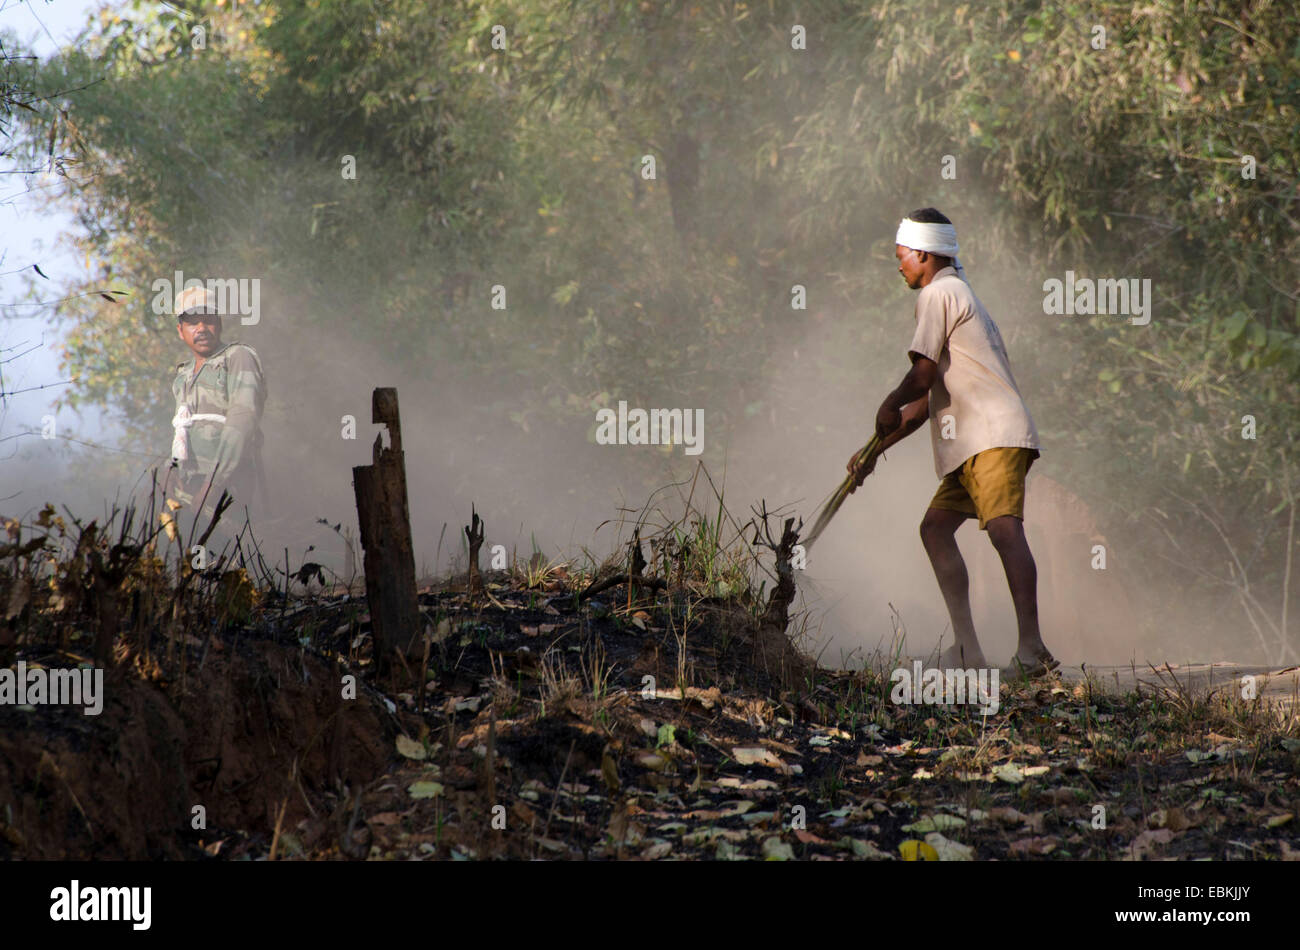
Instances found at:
x=385 y=521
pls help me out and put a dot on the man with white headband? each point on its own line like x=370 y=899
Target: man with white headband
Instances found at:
x=220 y=393
x=983 y=437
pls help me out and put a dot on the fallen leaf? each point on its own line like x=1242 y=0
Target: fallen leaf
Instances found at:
x=617 y=827
x=652 y=760
x=781 y=747
x=867 y=851
x=660 y=849
x=1006 y=815
x=1038 y=846
x=19 y=595
x=727 y=851
x=913 y=850
x=410 y=748
x=753 y=785
x=1009 y=773
x=1067 y=795
x=774 y=849
x=703 y=836
x=949 y=850
x=525 y=814
x=1146 y=842
x=756 y=755
x=935 y=823
x=609 y=771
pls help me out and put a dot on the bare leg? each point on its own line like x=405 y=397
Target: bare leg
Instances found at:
x=1008 y=536
x=939 y=535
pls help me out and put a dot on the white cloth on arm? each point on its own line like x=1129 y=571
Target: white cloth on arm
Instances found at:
x=935 y=238
x=181 y=423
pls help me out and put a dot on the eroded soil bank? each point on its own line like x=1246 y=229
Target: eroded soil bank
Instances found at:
x=253 y=729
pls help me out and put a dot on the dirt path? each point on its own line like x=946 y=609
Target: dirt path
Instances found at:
x=1274 y=684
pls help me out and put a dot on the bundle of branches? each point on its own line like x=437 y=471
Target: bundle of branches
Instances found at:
x=865 y=458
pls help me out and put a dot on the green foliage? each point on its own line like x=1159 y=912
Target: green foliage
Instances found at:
x=775 y=167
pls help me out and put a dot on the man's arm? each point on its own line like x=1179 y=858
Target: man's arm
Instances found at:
x=243 y=413
x=914 y=415
x=915 y=385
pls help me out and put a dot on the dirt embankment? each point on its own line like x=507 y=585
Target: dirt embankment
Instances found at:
x=260 y=736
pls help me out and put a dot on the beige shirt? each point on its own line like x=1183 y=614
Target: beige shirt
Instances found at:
x=974 y=401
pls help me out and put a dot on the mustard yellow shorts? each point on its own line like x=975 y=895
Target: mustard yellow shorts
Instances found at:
x=988 y=485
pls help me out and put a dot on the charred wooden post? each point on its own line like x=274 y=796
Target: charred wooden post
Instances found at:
x=777 y=614
x=636 y=567
x=474 y=535
x=384 y=517
x=772 y=644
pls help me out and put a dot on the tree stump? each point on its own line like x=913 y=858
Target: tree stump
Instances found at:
x=384 y=517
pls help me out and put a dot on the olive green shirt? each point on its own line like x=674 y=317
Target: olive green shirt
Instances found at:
x=229 y=383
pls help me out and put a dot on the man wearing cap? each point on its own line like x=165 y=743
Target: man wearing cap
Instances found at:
x=220 y=392
x=983 y=437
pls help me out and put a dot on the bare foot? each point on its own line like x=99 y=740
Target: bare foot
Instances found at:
x=954 y=659
x=1030 y=663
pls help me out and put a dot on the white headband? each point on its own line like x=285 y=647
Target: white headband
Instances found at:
x=936 y=238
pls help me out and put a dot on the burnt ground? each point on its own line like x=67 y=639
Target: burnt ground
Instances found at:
x=618 y=729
